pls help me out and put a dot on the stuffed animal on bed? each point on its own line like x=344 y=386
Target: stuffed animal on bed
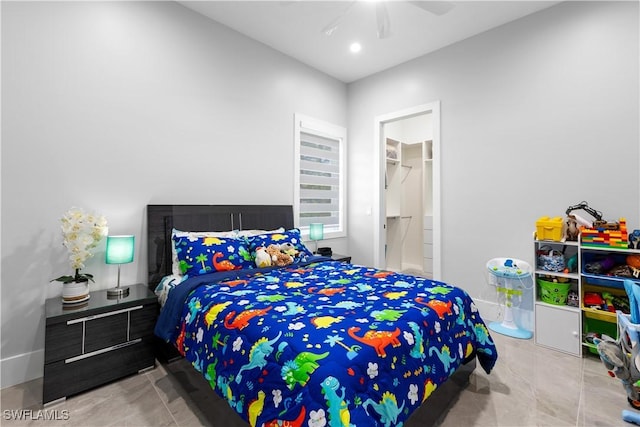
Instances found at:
x=278 y=257
x=263 y=259
x=289 y=249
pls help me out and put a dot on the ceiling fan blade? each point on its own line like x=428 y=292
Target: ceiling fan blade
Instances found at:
x=435 y=7
x=384 y=23
x=333 y=25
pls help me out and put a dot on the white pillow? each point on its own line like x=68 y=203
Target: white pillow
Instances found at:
x=192 y=235
x=251 y=233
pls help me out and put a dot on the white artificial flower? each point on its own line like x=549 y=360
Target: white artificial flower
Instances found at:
x=81 y=232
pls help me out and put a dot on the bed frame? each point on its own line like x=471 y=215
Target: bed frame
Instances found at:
x=161 y=219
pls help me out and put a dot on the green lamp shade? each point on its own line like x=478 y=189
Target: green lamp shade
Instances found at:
x=316 y=231
x=119 y=249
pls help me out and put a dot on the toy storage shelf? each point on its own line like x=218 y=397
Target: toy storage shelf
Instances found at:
x=558 y=326
x=604 y=281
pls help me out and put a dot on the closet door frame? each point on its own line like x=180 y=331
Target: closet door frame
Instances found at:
x=379 y=214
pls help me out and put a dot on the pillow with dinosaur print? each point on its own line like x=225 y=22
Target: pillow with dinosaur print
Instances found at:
x=192 y=235
x=291 y=237
x=207 y=254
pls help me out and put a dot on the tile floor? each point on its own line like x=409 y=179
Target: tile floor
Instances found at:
x=530 y=386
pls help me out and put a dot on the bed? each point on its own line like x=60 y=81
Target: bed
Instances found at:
x=314 y=343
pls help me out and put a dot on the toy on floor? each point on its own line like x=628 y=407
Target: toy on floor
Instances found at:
x=510 y=276
x=630 y=416
x=622 y=356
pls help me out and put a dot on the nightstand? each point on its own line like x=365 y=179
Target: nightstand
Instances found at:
x=97 y=342
x=343 y=258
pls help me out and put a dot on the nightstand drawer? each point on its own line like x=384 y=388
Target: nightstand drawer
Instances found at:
x=143 y=321
x=89 y=333
x=97 y=342
x=105 y=331
x=63 y=379
x=62 y=341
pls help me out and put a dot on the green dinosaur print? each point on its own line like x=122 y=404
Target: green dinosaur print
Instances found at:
x=298 y=370
x=270 y=298
x=442 y=290
x=387 y=314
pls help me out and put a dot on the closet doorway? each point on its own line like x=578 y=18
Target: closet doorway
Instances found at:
x=408 y=208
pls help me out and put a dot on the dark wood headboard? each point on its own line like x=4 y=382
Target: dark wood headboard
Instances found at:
x=161 y=219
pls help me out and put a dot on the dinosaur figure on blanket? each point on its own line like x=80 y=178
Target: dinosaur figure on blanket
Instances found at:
x=417 y=351
x=258 y=355
x=300 y=368
x=376 y=339
x=440 y=307
x=211 y=373
x=255 y=408
x=213 y=312
x=339 y=415
x=242 y=320
x=444 y=355
x=288 y=423
x=387 y=408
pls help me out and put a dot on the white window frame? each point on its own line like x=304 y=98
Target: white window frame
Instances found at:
x=320 y=128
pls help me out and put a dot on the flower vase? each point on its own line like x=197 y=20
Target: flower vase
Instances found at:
x=75 y=292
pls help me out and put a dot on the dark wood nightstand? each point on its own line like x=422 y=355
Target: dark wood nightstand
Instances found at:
x=97 y=342
x=343 y=258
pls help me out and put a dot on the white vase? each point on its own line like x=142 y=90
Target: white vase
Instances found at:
x=75 y=292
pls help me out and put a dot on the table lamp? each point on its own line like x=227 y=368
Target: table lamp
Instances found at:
x=119 y=251
x=316 y=232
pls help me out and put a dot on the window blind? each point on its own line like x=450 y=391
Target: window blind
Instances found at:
x=319 y=181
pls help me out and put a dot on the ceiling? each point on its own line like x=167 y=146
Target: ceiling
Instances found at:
x=296 y=28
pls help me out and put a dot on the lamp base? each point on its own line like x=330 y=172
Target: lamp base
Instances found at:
x=119 y=292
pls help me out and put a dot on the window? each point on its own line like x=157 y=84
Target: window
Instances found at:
x=320 y=176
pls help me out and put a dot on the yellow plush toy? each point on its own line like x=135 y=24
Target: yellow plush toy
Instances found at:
x=278 y=257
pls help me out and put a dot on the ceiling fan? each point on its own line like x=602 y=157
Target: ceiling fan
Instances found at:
x=382 y=15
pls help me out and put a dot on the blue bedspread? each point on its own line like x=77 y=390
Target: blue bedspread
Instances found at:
x=325 y=344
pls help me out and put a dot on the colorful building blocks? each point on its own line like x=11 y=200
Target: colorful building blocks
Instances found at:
x=601 y=237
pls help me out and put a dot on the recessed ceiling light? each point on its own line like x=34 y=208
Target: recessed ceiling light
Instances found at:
x=355 y=47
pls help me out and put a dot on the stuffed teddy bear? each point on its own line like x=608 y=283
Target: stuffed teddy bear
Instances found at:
x=278 y=257
x=263 y=259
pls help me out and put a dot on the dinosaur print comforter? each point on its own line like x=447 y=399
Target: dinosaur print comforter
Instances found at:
x=325 y=344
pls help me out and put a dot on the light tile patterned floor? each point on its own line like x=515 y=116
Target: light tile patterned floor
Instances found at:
x=530 y=386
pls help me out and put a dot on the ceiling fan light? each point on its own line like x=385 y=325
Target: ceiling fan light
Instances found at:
x=355 y=47
x=384 y=23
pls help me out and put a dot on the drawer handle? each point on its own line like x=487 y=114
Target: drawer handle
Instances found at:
x=98 y=316
x=103 y=350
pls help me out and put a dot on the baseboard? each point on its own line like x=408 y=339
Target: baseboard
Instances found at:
x=21 y=368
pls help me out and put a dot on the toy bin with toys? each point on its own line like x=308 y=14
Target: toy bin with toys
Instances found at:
x=548 y=228
x=600 y=305
x=553 y=291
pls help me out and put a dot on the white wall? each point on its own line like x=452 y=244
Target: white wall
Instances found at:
x=111 y=106
x=536 y=115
